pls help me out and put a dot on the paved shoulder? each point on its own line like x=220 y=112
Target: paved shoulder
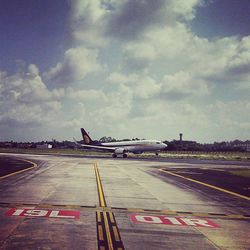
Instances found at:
x=10 y=165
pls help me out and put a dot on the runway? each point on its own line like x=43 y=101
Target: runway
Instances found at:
x=104 y=203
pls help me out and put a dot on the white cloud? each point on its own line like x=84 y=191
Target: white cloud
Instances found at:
x=141 y=86
x=33 y=70
x=78 y=63
x=119 y=78
x=229 y=120
x=25 y=99
x=92 y=10
x=118 y=106
x=239 y=65
x=185 y=9
x=87 y=22
x=131 y=18
x=165 y=80
x=146 y=87
x=141 y=50
x=183 y=84
x=86 y=95
x=176 y=50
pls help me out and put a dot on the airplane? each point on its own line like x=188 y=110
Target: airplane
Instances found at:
x=122 y=147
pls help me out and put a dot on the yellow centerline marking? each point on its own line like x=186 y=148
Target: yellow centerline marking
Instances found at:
x=112 y=233
x=20 y=171
x=99 y=187
x=117 y=238
x=98 y=216
x=100 y=232
x=111 y=217
x=207 y=185
x=106 y=223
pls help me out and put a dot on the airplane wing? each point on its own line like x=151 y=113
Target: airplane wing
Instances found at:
x=110 y=149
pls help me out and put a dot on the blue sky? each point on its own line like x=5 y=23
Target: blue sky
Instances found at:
x=34 y=32
x=219 y=18
x=148 y=69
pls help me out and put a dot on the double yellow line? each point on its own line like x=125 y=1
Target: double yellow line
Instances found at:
x=102 y=201
x=106 y=224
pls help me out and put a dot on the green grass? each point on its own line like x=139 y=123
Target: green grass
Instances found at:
x=50 y=151
x=205 y=155
x=169 y=154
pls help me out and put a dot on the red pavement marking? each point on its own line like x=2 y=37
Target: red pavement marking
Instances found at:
x=174 y=221
x=60 y=214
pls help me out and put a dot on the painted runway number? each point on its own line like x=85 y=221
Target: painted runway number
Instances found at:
x=175 y=221
x=61 y=214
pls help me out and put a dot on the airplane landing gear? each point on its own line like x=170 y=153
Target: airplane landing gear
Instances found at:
x=124 y=155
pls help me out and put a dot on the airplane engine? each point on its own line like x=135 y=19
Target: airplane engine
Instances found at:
x=120 y=151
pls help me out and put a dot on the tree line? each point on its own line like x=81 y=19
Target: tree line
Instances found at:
x=174 y=145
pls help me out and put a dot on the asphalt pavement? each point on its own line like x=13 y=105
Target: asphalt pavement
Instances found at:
x=103 y=203
x=9 y=165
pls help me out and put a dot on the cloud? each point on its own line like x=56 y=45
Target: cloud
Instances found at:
x=25 y=99
x=141 y=86
x=172 y=87
x=183 y=84
x=131 y=18
x=86 y=95
x=119 y=78
x=78 y=63
x=87 y=22
x=239 y=66
x=169 y=48
x=136 y=69
x=33 y=70
x=185 y=9
x=176 y=51
x=117 y=106
x=229 y=119
x=95 y=23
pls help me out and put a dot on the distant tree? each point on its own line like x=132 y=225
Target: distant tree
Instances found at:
x=107 y=139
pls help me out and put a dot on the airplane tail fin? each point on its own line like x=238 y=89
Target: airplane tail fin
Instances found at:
x=86 y=138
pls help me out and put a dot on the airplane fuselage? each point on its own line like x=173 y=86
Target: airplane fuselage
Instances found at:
x=122 y=147
x=137 y=146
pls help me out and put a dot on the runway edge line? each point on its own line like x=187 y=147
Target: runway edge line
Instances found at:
x=20 y=171
x=205 y=184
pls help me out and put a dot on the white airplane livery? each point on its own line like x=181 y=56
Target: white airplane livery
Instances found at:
x=122 y=147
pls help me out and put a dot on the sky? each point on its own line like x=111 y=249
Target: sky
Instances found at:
x=125 y=69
